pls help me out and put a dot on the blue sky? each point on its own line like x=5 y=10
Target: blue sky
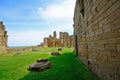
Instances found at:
x=29 y=21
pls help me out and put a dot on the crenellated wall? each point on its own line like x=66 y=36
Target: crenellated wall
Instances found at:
x=97 y=36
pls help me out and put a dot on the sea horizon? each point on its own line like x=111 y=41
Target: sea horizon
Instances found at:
x=20 y=46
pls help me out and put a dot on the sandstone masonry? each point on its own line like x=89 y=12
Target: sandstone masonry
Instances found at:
x=97 y=36
x=3 y=39
x=64 y=40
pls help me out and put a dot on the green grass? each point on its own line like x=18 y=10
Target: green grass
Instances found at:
x=65 y=67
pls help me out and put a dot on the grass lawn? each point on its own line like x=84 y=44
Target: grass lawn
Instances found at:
x=65 y=67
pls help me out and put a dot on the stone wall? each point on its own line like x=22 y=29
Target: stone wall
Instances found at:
x=3 y=39
x=52 y=41
x=64 y=40
x=22 y=49
x=97 y=36
x=71 y=41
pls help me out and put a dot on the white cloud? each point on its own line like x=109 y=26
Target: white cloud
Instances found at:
x=63 y=28
x=57 y=17
x=40 y=8
x=56 y=11
x=27 y=38
x=60 y=15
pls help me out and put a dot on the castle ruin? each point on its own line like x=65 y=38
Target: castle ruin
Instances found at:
x=64 y=40
x=3 y=39
x=97 y=36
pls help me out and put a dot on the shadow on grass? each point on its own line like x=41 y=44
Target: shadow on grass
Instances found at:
x=65 y=67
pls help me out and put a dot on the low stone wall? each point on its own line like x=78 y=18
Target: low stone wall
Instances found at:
x=21 y=49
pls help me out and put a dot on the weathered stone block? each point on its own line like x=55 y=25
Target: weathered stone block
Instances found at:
x=102 y=19
x=40 y=65
x=55 y=53
x=114 y=1
x=114 y=7
x=107 y=28
x=101 y=45
x=114 y=40
x=99 y=31
x=118 y=47
x=34 y=49
x=113 y=16
x=59 y=49
x=114 y=34
x=95 y=27
x=119 y=31
x=111 y=47
x=115 y=25
x=92 y=34
x=42 y=60
x=106 y=35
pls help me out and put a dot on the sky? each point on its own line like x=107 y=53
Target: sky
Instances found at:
x=29 y=21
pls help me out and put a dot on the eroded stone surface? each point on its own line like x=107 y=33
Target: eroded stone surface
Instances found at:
x=40 y=65
x=64 y=40
x=42 y=60
x=59 y=49
x=97 y=36
x=34 y=48
x=55 y=53
x=3 y=39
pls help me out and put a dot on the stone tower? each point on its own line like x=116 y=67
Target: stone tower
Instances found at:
x=3 y=39
x=65 y=39
x=97 y=36
x=61 y=36
x=54 y=34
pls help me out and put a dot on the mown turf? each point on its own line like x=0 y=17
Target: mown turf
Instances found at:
x=65 y=67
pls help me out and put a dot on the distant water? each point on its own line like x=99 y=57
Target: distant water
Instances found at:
x=18 y=46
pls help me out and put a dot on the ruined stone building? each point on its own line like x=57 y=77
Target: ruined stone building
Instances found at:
x=71 y=38
x=3 y=39
x=97 y=36
x=64 y=40
x=52 y=41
